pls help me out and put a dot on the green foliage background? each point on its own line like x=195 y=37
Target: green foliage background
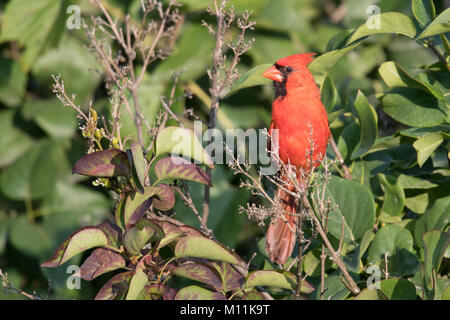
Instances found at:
x=389 y=118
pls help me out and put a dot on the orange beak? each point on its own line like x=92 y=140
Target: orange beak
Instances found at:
x=273 y=74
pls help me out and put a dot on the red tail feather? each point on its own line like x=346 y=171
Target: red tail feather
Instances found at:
x=280 y=237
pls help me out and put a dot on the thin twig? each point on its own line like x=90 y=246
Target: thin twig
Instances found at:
x=438 y=54
x=347 y=174
x=9 y=287
x=334 y=255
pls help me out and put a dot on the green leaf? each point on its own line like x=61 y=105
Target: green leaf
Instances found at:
x=397 y=243
x=143 y=232
x=394 y=195
x=417 y=203
x=201 y=272
x=13 y=141
x=420 y=132
x=355 y=203
x=179 y=168
x=99 y=262
x=31 y=23
x=439 y=25
x=390 y=22
x=56 y=120
x=4 y=228
x=192 y=54
x=251 y=78
x=73 y=63
x=410 y=182
x=349 y=139
x=148 y=93
x=282 y=16
x=139 y=165
x=198 y=293
x=398 y=289
x=335 y=289
x=79 y=241
x=426 y=145
x=328 y=94
x=278 y=279
x=435 y=218
x=104 y=163
x=368 y=125
x=412 y=107
x=424 y=11
x=325 y=62
x=201 y=247
x=435 y=243
x=396 y=77
x=137 y=282
x=446 y=294
x=12 y=82
x=33 y=176
x=29 y=238
x=176 y=140
x=371 y=294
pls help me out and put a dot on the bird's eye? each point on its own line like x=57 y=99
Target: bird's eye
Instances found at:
x=288 y=69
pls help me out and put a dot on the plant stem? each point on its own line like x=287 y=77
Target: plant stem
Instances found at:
x=300 y=251
x=347 y=174
x=334 y=255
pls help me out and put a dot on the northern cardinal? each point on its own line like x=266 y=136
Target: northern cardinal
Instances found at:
x=299 y=116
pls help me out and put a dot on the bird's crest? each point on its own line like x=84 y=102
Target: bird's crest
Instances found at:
x=297 y=60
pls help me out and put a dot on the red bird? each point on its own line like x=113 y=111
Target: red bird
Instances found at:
x=299 y=115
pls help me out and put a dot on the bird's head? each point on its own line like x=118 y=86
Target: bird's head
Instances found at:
x=289 y=73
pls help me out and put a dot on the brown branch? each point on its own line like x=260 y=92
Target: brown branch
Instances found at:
x=224 y=19
x=347 y=174
x=9 y=287
x=300 y=252
x=334 y=255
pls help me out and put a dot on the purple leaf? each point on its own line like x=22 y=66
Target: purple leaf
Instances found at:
x=138 y=213
x=166 y=198
x=79 y=241
x=112 y=232
x=106 y=163
x=178 y=168
x=200 y=272
x=232 y=279
x=253 y=295
x=116 y=287
x=156 y=290
x=171 y=231
x=191 y=231
x=133 y=206
x=198 y=293
x=99 y=262
x=139 y=165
